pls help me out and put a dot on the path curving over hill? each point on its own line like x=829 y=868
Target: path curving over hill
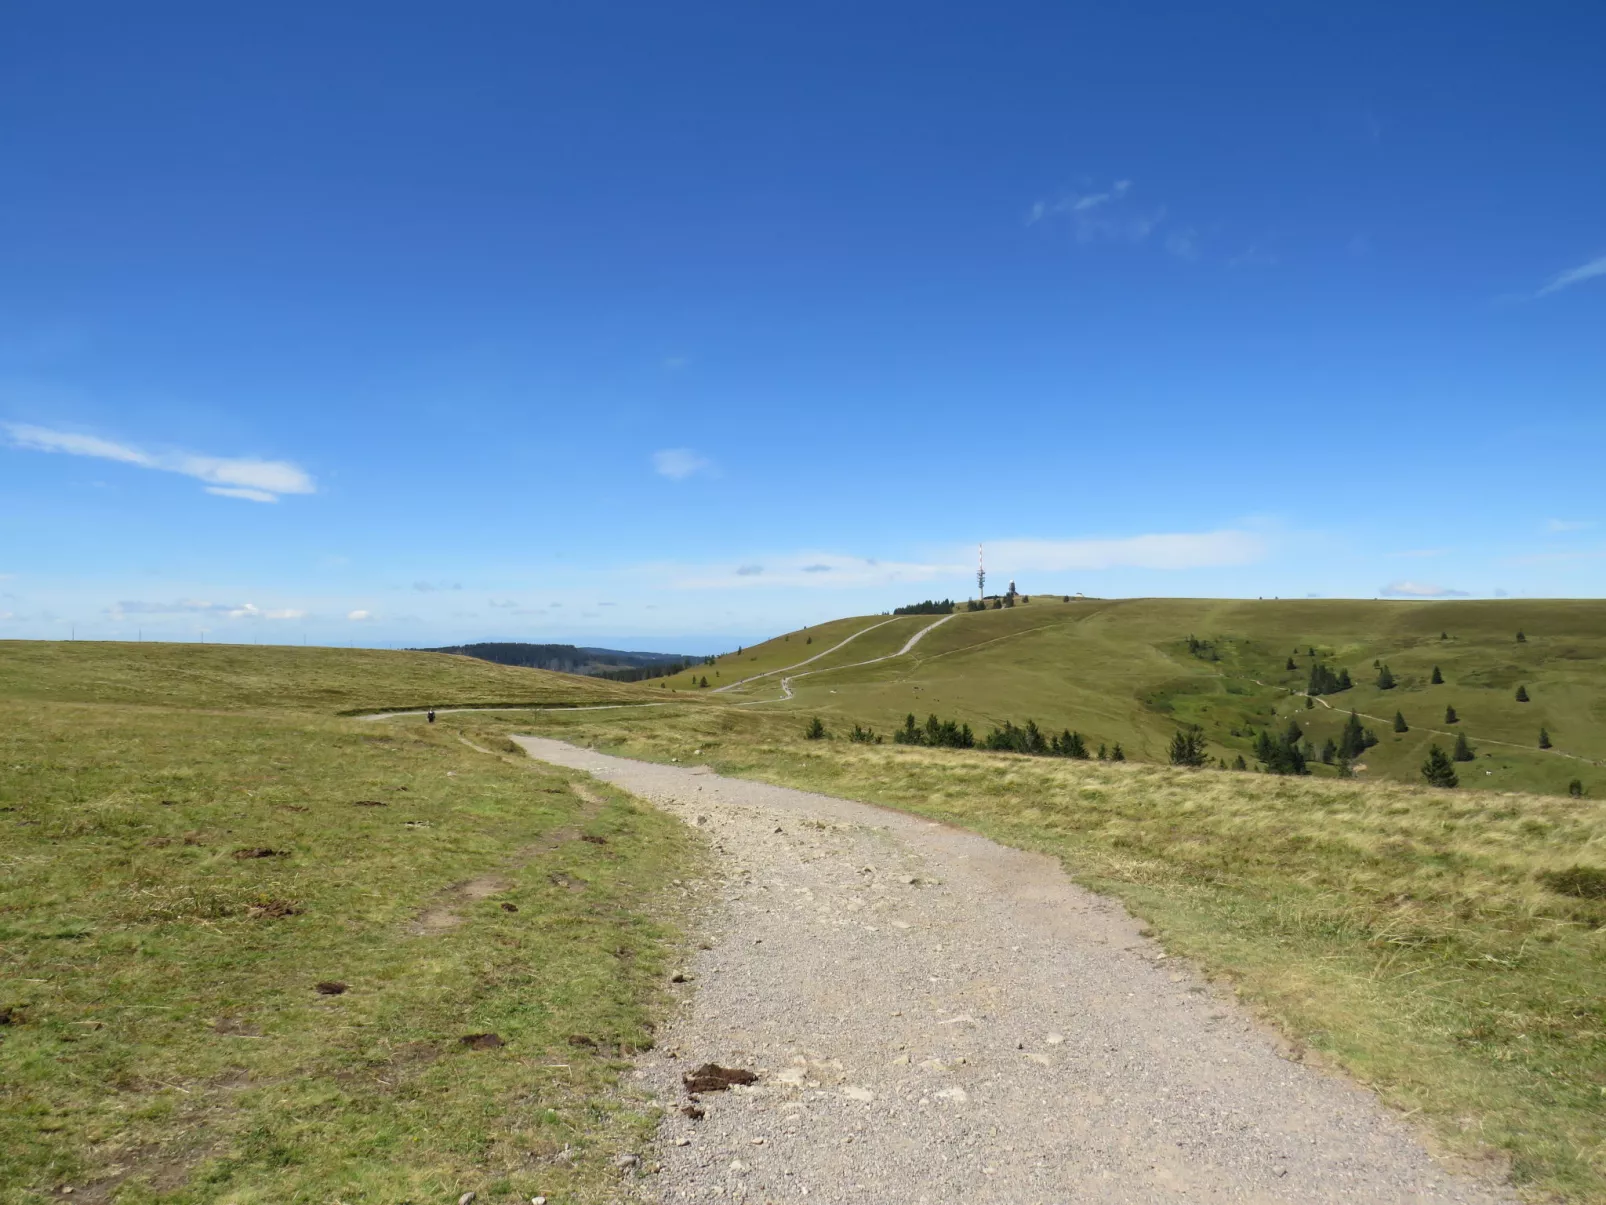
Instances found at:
x=937 y=1018
x=786 y=682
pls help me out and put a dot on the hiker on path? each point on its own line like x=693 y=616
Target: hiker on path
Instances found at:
x=431 y=715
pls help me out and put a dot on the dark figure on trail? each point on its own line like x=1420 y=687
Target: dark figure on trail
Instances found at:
x=431 y=715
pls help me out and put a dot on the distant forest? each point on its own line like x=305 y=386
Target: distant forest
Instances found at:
x=945 y=607
x=613 y=664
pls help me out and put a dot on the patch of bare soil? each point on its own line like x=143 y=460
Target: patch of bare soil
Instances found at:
x=711 y=1077
x=482 y=1041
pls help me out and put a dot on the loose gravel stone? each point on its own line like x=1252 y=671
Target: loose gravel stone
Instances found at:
x=935 y=1018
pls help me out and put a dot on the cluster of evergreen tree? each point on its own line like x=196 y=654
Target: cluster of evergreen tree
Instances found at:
x=1437 y=769
x=642 y=673
x=948 y=734
x=929 y=607
x=1205 y=650
x=865 y=736
x=1188 y=747
x=938 y=734
x=1354 y=740
x=1323 y=681
x=1031 y=739
x=1284 y=754
x=976 y=604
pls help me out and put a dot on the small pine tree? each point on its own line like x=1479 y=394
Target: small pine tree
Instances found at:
x=1399 y=723
x=816 y=730
x=1310 y=703
x=1463 y=751
x=1344 y=682
x=1576 y=787
x=1521 y=639
x=1438 y=770
x=1385 y=679
x=1438 y=678
x=1444 y=635
x=1188 y=747
x=1450 y=716
x=1295 y=733
x=703 y=682
x=1544 y=739
x=1238 y=763
x=1291 y=664
x=1329 y=752
x=1522 y=694
x=1117 y=753
x=1345 y=768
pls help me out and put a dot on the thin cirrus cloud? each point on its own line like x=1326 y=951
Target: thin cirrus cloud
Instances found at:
x=677 y=464
x=227 y=477
x=1176 y=550
x=195 y=607
x=1572 y=276
x=1109 y=216
x=1560 y=525
x=1164 y=551
x=1420 y=590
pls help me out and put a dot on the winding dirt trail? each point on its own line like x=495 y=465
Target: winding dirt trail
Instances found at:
x=786 y=682
x=935 y=1018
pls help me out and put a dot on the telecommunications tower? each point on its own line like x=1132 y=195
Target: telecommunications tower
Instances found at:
x=981 y=575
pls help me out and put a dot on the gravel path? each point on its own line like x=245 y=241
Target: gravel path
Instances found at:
x=935 y=1018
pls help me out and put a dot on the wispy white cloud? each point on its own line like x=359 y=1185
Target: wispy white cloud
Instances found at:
x=1420 y=590
x=1184 y=244
x=1569 y=524
x=196 y=607
x=1572 y=276
x=359 y=616
x=814 y=570
x=832 y=571
x=1181 y=550
x=1104 y=216
x=679 y=463
x=229 y=477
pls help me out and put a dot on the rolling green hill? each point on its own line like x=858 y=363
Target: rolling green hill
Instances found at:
x=243 y=939
x=1122 y=671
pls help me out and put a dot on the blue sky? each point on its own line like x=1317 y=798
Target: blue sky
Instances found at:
x=677 y=325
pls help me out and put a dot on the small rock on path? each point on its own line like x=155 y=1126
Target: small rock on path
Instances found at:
x=937 y=1018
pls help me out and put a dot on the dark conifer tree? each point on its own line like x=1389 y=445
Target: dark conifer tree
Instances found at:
x=1329 y=752
x=1344 y=682
x=1117 y=753
x=1291 y=664
x=1104 y=753
x=1450 y=716
x=1188 y=747
x=1463 y=751
x=1399 y=723
x=1438 y=678
x=815 y=730
x=1522 y=694
x=1438 y=770
x=1294 y=733
x=1238 y=763
x=1576 y=787
x=1521 y=639
x=1544 y=739
x=1385 y=679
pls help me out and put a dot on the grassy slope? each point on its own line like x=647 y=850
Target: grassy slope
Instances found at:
x=236 y=676
x=781 y=652
x=1120 y=671
x=1402 y=932
x=166 y=1042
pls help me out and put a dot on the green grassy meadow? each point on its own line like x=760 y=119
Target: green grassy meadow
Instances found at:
x=164 y=1037
x=1443 y=947
x=1120 y=671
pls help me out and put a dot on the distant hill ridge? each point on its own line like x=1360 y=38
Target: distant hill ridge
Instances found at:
x=615 y=664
